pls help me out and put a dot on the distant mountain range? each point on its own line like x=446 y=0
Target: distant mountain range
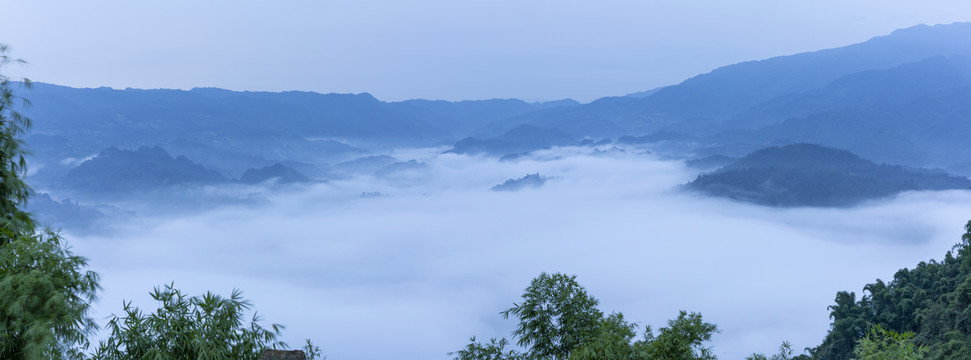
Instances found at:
x=524 y=138
x=901 y=99
x=916 y=114
x=707 y=103
x=812 y=175
x=116 y=172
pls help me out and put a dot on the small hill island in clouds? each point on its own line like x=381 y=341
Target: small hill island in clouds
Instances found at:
x=525 y=182
x=812 y=175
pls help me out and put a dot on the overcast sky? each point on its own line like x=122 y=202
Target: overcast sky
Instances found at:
x=440 y=49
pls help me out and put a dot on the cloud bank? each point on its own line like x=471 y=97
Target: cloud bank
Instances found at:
x=413 y=274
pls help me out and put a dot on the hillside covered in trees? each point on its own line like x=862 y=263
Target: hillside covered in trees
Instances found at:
x=931 y=300
x=813 y=175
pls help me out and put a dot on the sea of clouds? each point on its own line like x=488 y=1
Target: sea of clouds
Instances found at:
x=414 y=273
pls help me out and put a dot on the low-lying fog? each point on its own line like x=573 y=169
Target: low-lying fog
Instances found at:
x=412 y=274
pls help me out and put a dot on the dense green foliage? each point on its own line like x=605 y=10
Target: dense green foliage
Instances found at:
x=883 y=344
x=44 y=290
x=555 y=316
x=559 y=320
x=932 y=301
x=201 y=327
x=13 y=190
x=46 y=299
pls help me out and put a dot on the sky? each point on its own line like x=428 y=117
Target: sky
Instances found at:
x=435 y=49
x=414 y=274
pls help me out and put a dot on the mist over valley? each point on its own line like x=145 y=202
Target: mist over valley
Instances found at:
x=751 y=194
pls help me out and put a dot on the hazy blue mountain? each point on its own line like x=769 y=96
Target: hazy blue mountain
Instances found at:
x=727 y=91
x=656 y=137
x=812 y=175
x=461 y=118
x=278 y=172
x=706 y=103
x=230 y=126
x=604 y=117
x=917 y=114
x=644 y=94
x=928 y=78
x=401 y=166
x=355 y=116
x=313 y=171
x=233 y=156
x=525 y=182
x=902 y=98
x=524 y=138
x=365 y=165
x=117 y=171
x=710 y=162
x=233 y=131
x=64 y=214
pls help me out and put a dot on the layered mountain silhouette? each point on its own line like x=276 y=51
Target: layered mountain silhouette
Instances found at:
x=706 y=104
x=117 y=171
x=526 y=182
x=524 y=138
x=915 y=114
x=903 y=99
x=461 y=119
x=279 y=173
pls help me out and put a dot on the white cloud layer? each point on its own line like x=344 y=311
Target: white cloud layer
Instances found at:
x=413 y=274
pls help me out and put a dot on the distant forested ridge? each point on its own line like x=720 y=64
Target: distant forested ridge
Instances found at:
x=117 y=171
x=899 y=99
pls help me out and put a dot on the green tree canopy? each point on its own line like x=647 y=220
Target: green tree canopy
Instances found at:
x=932 y=301
x=201 y=327
x=883 y=344
x=555 y=316
x=45 y=291
x=559 y=320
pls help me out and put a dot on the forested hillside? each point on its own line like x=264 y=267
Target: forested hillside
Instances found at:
x=931 y=300
x=812 y=175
